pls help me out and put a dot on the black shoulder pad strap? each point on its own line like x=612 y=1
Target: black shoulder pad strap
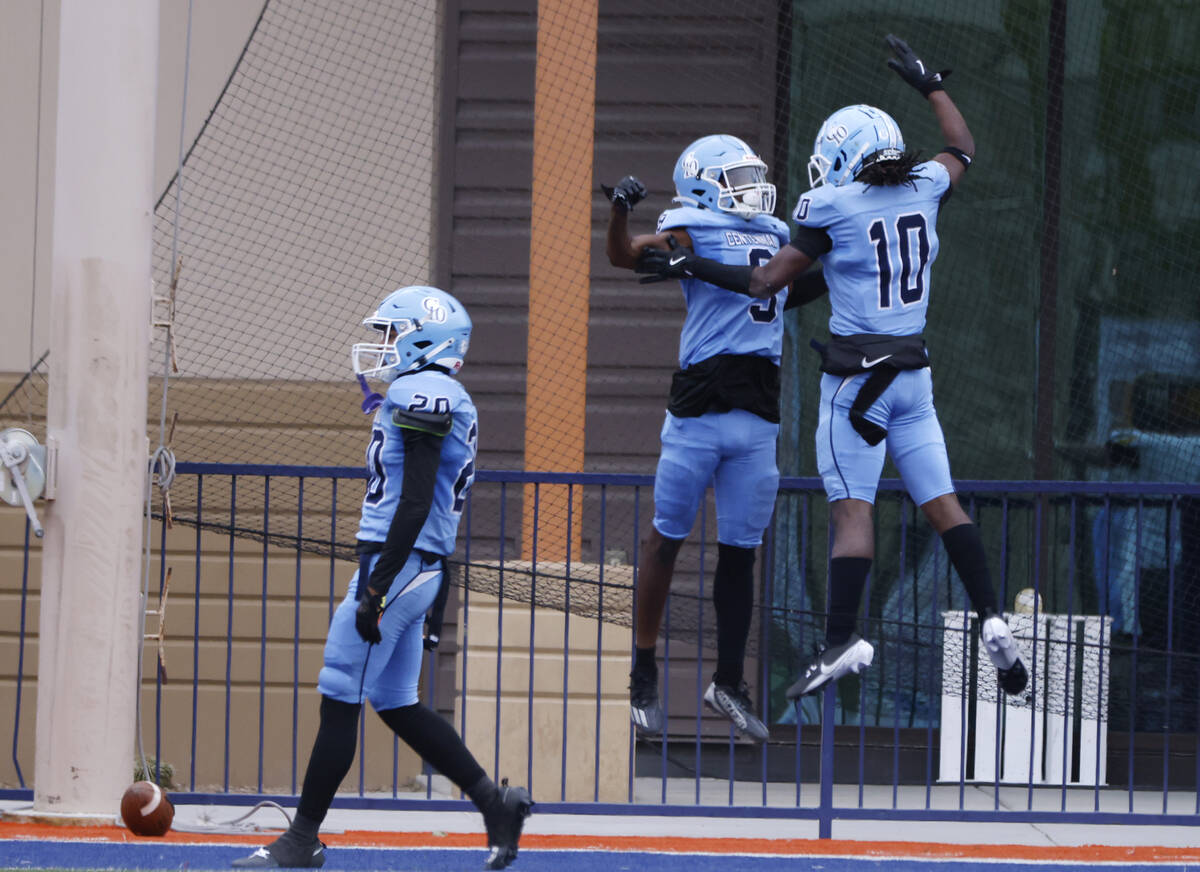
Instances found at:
x=437 y=423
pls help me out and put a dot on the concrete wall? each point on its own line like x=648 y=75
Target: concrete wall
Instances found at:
x=569 y=704
x=221 y=619
x=273 y=635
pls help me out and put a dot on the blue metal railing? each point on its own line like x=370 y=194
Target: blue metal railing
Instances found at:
x=1038 y=530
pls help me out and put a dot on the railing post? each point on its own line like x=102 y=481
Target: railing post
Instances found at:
x=825 y=809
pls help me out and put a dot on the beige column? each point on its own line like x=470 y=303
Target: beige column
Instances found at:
x=100 y=311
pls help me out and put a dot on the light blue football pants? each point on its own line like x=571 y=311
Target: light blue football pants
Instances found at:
x=387 y=674
x=850 y=468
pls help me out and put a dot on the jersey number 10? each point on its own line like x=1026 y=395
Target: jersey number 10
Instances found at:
x=912 y=239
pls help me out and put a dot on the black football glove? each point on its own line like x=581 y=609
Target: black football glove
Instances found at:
x=911 y=69
x=366 y=617
x=627 y=194
x=662 y=265
x=430 y=639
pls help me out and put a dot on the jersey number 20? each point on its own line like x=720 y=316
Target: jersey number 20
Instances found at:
x=378 y=475
x=466 y=475
x=913 y=245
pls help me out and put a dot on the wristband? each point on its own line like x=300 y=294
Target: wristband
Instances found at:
x=965 y=159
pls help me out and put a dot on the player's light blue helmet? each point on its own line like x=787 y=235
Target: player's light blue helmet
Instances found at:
x=723 y=173
x=851 y=139
x=420 y=326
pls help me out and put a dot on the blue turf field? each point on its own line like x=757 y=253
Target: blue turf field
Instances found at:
x=34 y=855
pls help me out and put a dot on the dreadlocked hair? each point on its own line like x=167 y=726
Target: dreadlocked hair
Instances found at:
x=891 y=173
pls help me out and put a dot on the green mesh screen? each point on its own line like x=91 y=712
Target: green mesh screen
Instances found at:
x=1064 y=324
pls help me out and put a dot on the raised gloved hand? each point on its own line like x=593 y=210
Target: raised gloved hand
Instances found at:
x=912 y=69
x=662 y=265
x=366 y=617
x=627 y=193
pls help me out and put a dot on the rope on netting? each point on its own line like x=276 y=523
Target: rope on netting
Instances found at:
x=161 y=466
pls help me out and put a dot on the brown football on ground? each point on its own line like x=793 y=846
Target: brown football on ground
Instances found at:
x=146 y=809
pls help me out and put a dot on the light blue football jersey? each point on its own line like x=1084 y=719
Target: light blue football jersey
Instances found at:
x=720 y=321
x=427 y=391
x=884 y=241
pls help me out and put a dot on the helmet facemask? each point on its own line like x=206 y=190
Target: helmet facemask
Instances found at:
x=382 y=360
x=818 y=170
x=743 y=188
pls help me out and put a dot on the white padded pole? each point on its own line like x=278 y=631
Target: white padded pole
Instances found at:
x=99 y=335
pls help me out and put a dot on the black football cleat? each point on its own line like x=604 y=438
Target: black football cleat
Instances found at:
x=645 y=710
x=830 y=663
x=504 y=818
x=734 y=703
x=285 y=853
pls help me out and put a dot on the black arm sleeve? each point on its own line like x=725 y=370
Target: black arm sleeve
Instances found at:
x=422 y=453
x=812 y=241
x=723 y=275
x=808 y=287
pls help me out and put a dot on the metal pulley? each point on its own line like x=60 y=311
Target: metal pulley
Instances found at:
x=22 y=472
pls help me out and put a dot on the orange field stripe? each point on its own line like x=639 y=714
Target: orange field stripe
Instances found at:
x=659 y=844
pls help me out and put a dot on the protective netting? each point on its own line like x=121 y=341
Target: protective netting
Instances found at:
x=303 y=201
x=24 y=403
x=300 y=205
x=1064 y=327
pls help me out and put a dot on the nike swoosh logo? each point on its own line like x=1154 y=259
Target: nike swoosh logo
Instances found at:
x=675 y=261
x=825 y=670
x=867 y=364
x=820 y=667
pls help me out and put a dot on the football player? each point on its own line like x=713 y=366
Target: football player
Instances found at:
x=722 y=419
x=421 y=463
x=871 y=218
